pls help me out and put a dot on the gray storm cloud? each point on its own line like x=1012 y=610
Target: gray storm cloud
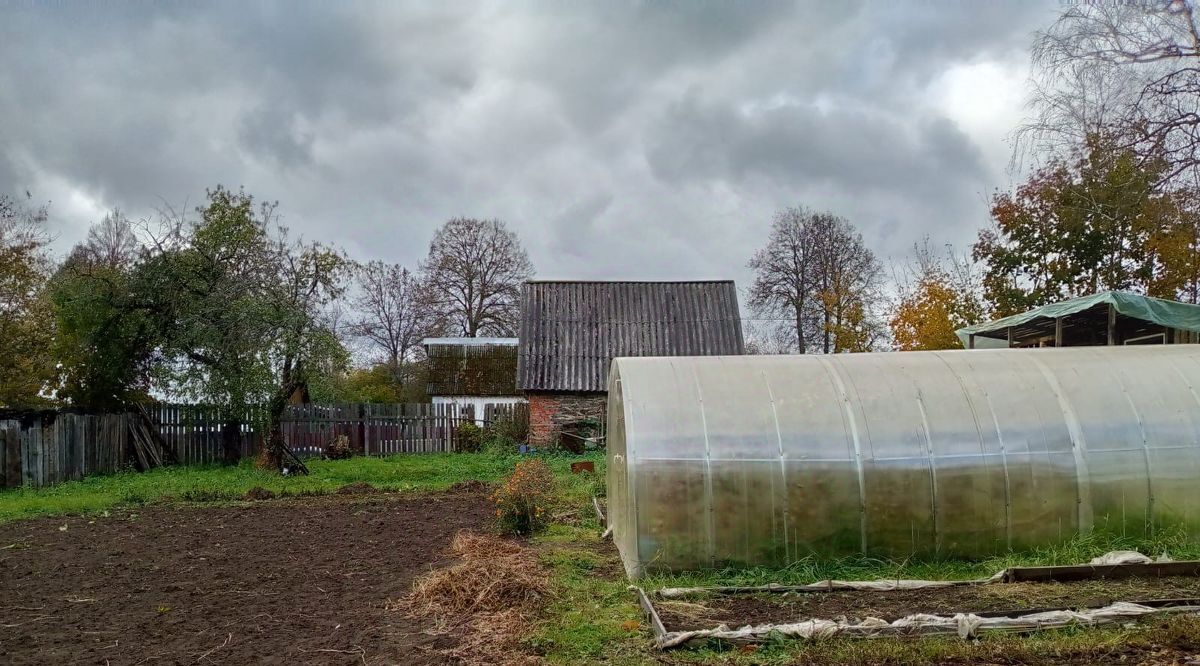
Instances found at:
x=628 y=139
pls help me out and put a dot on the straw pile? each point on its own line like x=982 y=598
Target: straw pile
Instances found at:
x=491 y=594
x=493 y=574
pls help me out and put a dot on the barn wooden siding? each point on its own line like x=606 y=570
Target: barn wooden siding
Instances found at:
x=571 y=331
x=46 y=448
x=482 y=370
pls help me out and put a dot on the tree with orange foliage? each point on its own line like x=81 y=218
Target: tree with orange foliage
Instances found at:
x=940 y=296
x=1173 y=247
x=1102 y=222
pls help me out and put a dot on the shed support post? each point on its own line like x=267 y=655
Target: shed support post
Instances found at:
x=1010 y=336
x=1112 y=325
x=1058 y=327
x=971 y=341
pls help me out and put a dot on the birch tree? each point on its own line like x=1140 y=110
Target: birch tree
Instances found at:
x=1130 y=70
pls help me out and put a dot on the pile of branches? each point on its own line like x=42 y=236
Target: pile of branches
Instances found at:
x=339 y=449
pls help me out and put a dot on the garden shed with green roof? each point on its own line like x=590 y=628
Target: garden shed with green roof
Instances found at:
x=1105 y=318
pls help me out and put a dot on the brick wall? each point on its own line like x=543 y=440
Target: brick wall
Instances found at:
x=550 y=411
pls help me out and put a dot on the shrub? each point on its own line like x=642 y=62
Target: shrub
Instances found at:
x=470 y=437
x=523 y=500
x=500 y=447
x=510 y=430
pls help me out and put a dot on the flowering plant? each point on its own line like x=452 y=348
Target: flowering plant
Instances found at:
x=523 y=500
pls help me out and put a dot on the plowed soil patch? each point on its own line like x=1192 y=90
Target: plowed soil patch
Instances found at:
x=284 y=582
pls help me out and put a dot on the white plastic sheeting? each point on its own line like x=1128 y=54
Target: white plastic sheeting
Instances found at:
x=763 y=460
x=965 y=625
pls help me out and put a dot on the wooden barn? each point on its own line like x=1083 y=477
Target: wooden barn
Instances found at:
x=472 y=371
x=571 y=331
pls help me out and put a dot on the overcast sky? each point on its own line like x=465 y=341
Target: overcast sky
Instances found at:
x=621 y=140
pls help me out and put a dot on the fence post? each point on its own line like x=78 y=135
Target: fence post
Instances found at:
x=15 y=472
x=3 y=457
x=365 y=415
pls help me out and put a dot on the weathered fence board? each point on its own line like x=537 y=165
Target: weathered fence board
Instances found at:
x=11 y=432
x=48 y=448
x=375 y=429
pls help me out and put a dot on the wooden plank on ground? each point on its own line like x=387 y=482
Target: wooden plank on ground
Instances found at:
x=1092 y=571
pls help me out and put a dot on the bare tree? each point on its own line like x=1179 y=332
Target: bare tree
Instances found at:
x=473 y=276
x=1125 y=69
x=816 y=272
x=768 y=336
x=390 y=313
x=848 y=279
x=112 y=241
x=785 y=273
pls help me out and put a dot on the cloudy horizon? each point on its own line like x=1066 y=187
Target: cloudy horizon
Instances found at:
x=632 y=140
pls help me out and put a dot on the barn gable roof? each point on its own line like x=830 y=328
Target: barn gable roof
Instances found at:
x=571 y=331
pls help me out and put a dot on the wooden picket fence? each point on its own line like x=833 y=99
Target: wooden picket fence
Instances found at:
x=48 y=448
x=194 y=432
x=45 y=448
x=375 y=429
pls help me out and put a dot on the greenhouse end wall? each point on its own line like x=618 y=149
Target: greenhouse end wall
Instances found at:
x=764 y=460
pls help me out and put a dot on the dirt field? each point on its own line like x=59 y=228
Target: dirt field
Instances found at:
x=276 y=582
x=857 y=604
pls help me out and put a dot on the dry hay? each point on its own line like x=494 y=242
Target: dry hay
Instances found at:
x=494 y=639
x=492 y=575
x=687 y=611
x=492 y=592
x=472 y=546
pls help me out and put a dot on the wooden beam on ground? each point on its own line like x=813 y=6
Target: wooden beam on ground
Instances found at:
x=1110 y=571
x=1018 y=612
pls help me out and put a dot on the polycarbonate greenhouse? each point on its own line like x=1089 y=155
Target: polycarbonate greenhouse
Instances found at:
x=762 y=460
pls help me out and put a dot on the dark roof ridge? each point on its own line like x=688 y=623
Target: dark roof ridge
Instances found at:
x=716 y=281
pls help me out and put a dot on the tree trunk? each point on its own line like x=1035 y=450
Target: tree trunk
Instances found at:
x=231 y=441
x=827 y=323
x=275 y=448
x=800 y=328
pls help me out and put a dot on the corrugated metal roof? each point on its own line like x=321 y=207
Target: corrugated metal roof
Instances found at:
x=571 y=331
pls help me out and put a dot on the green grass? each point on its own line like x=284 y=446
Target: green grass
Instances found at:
x=409 y=472
x=1074 y=551
x=595 y=619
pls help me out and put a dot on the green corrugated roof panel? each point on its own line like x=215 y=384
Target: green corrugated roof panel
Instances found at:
x=1173 y=314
